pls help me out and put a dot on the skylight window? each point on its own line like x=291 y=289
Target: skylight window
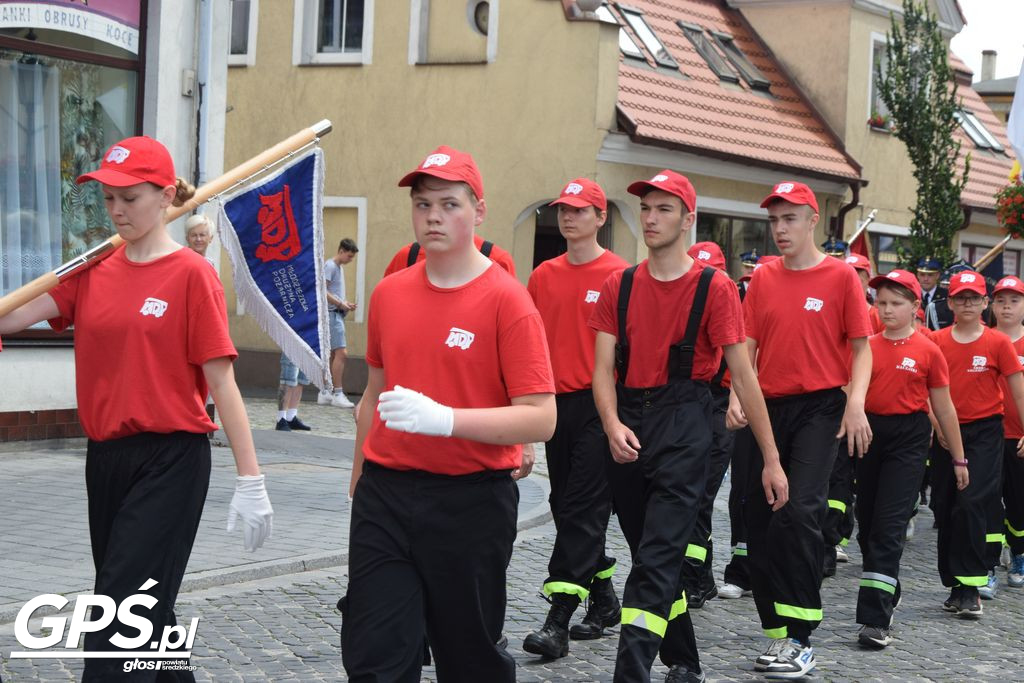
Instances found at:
x=977 y=131
x=750 y=73
x=626 y=44
x=636 y=21
x=707 y=51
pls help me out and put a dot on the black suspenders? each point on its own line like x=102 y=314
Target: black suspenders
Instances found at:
x=680 y=355
x=414 y=252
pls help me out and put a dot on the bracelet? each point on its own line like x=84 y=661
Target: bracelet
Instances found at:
x=960 y=463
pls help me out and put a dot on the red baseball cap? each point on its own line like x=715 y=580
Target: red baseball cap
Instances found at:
x=1010 y=284
x=859 y=262
x=671 y=182
x=709 y=253
x=967 y=281
x=448 y=164
x=132 y=161
x=581 y=193
x=792 y=192
x=900 y=277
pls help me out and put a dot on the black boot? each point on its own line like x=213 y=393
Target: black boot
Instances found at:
x=552 y=640
x=706 y=589
x=603 y=611
x=829 y=565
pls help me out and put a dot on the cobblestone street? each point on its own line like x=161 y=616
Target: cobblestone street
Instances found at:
x=285 y=627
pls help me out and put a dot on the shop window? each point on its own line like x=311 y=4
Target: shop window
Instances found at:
x=242 y=47
x=58 y=118
x=333 y=31
x=735 y=236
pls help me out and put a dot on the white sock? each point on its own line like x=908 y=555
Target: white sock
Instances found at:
x=281 y=415
x=291 y=413
x=338 y=392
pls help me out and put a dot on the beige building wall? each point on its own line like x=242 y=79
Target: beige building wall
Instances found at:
x=533 y=118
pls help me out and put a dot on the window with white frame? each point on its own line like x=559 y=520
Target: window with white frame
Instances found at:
x=879 y=65
x=333 y=32
x=452 y=32
x=976 y=131
x=635 y=19
x=242 y=44
x=626 y=44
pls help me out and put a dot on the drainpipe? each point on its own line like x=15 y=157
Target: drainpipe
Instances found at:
x=839 y=230
x=202 y=82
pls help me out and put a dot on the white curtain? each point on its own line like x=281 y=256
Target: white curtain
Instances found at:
x=30 y=178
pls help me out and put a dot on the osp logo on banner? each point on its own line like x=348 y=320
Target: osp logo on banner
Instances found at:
x=162 y=657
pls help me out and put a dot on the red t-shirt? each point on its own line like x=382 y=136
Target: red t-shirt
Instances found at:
x=803 y=321
x=474 y=346
x=902 y=372
x=873 y=318
x=142 y=334
x=498 y=255
x=1011 y=417
x=658 y=312
x=974 y=371
x=565 y=295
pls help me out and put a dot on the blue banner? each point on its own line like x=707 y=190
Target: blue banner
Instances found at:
x=273 y=233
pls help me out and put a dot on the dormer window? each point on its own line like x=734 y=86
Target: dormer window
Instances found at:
x=977 y=131
x=706 y=50
x=636 y=21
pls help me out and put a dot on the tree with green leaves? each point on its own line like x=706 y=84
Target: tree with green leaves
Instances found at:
x=920 y=92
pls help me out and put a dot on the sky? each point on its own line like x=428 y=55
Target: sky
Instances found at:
x=992 y=25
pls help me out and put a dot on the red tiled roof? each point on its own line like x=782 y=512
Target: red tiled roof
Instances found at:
x=990 y=170
x=697 y=112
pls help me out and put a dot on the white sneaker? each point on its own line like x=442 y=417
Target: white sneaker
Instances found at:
x=1006 y=557
x=730 y=591
x=794 y=661
x=841 y=555
x=910 y=529
x=324 y=398
x=341 y=401
x=770 y=654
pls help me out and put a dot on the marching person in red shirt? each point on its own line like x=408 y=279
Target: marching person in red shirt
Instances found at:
x=907 y=371
x=150 y=317
x=662 y=327
x=803 y=313
x=978 y=357
x=459 y=376
x=566 y=290
x=1008 y=311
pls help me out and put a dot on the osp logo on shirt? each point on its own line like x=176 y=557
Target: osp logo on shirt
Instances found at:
x=459 y=338
x=154 y=307
x=978 y=364
x=908 y=365
x=591 y=297
x=813 y=304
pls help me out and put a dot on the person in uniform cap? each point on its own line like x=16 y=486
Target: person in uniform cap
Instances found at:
x=748 y=260
x=928 y=271
x=834 y=247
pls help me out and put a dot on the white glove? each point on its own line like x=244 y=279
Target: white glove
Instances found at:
x=405 y=410
x=251 y=503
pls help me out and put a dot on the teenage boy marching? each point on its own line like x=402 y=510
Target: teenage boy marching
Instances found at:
x=1008 y=310
x=978 y=357
x=907 y=372
x=662 y=327
x=566 y=290
x=434 y=505
x=804 y=313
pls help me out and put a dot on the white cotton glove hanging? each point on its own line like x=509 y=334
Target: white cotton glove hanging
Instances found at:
x=252 y=504
x=405 y=410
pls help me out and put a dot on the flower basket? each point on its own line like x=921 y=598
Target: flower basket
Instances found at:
x=879 y=121
x=1010 y=208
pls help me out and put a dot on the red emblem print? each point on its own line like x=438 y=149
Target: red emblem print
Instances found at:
x=279 y=232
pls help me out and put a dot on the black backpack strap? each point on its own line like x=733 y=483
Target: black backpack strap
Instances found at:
x=414 y=253
x=680 y=355
x=486 y=247
x=622 y=343
x=716 y=381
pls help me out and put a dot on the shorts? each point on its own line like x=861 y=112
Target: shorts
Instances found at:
x=337 y=320
x=290 y=374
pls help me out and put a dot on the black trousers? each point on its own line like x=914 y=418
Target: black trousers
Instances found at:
x=888 y=484
x=737 y=572
x=656 y=499
x=786 y=547
x=838 y=524
x=581 y=500
x=428 y=549
x=146 y=495
x=965 y=517
x=1013 y=496
x=700 y=550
